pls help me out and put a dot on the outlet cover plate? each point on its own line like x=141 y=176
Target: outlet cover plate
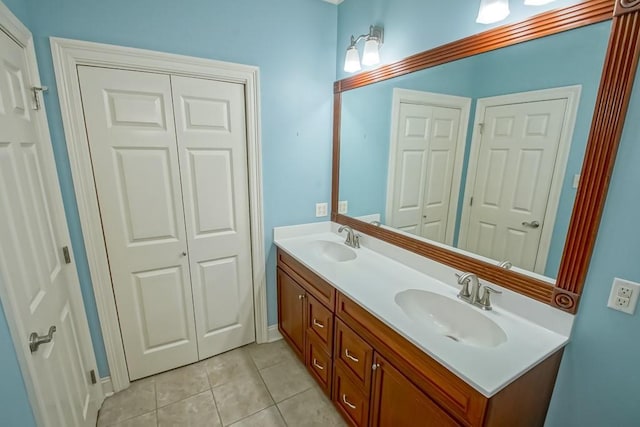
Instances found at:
x=322 y=209
x=617 y=298
x=343 y=207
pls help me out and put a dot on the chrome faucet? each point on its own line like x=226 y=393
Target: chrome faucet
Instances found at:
x=472 y=296
x=506 y=265
x=353 y=239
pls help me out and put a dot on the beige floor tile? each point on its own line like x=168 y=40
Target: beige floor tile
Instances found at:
x=286 y=379
x=181 y=383
x=241 y=397
x=269 y=417
x=229 y=366
x=146 y=420
x=138 y=399
x=195 y=411
x=310 y=409
x=265 y=355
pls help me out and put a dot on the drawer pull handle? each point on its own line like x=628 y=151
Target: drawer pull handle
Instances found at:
x=301 y=297
x=318 y=324
x=346 y=353
x=375 y=366
x=346 y=402
x=317 y=365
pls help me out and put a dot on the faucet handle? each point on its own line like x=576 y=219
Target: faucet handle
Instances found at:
x=485 y=300
x=465 y=281
x=356 y=241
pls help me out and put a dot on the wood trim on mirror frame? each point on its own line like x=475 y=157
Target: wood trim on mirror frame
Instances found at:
x=611 y=105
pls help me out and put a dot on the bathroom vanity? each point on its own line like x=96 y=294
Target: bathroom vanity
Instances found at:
x=355 y=318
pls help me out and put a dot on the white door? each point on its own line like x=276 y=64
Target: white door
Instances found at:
x=211 y=129
x=131 y=133
x=425 y=154
x=513 y=177
x=40 y=288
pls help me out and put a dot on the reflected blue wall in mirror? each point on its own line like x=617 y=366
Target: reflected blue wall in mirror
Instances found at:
x=539 y=64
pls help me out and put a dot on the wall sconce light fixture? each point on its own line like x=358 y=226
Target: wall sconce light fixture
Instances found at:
x=492 y=11
x=371 y=53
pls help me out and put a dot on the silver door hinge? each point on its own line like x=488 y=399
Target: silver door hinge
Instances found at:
x=92 y=374
x=481 y=126
x=66 y=255
x=471 y=202
x=36 y=98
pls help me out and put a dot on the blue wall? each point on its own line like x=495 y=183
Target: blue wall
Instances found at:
x=538 y=64
x=597 y=384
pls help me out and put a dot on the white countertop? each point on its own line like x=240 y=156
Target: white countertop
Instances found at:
x=372 y=280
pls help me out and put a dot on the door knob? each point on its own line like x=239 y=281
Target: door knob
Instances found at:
x=532 y=224
x=36 y=340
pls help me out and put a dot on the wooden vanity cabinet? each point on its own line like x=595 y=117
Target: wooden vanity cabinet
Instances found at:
x=375 y=377
x=306 y=317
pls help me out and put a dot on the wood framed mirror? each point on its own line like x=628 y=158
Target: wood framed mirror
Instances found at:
x=609 y=112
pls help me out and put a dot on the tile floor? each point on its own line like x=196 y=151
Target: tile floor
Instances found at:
x=256 y=385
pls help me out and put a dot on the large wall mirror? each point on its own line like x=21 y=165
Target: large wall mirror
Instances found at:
x=488 y=160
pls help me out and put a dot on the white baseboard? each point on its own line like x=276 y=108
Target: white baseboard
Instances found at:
x=107 y=386
x=274 y=333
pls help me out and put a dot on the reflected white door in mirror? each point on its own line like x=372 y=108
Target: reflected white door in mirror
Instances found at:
x=516 y=171
x=428 y=137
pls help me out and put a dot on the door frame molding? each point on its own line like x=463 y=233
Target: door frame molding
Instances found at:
x=572 y=95
x=439 y=100
x=67 y=56
x=15 y=29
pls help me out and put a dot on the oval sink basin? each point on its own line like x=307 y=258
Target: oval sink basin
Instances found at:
x=453 y=319
x=337 y=252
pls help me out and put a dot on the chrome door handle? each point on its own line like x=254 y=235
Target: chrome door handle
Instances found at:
x=532 y=224
x=317 y=365
x=36 y=340
x=318 y=324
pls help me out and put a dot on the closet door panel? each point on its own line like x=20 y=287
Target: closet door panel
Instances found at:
x=211 y=134
x=132 y=140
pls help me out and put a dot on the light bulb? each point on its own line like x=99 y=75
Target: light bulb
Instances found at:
x=371 y=54
x=492 y=11
x=352 y=60
x=537 y=2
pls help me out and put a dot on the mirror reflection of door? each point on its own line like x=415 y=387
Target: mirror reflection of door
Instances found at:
x=515 y=173
x=427 y=148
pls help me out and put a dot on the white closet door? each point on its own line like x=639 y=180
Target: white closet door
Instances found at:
x=411 y=166
x=514 y=173
x=211 y=129
x=441 y=155
x=130 y=126
x=35 y=279
x=425 y=156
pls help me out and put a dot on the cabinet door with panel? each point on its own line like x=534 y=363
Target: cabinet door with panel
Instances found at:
x=396 y=402
x=291 y=312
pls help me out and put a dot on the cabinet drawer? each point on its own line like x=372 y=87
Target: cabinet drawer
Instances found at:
x=320 y=323
x=321 y=290
x=348 y=397
x=355 y=354
x=319 y=363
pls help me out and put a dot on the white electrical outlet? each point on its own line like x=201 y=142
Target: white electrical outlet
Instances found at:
x=624 y=296
x=576 y=180
x=343 y=207
x=322 y=209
